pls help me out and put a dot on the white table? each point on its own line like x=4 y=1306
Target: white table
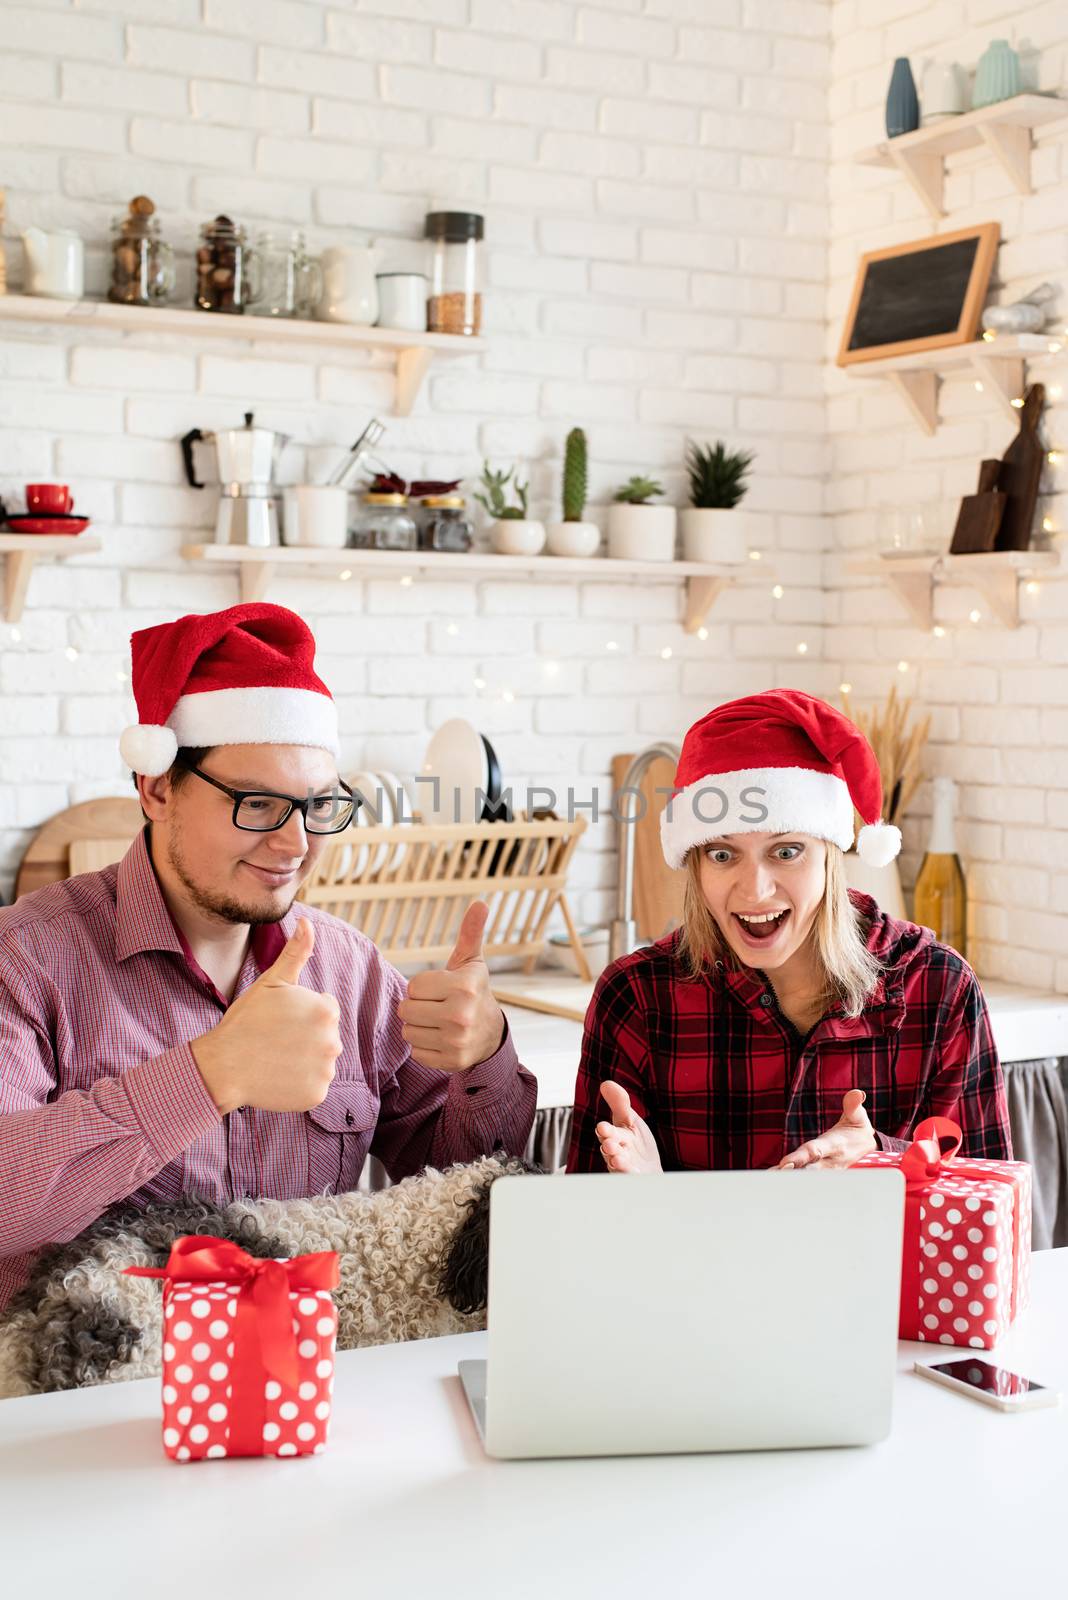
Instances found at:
x=960 y=1501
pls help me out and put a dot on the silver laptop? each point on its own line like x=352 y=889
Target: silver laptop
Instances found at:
x=690 y=1311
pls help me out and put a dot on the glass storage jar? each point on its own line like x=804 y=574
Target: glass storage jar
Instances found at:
x=455 y=304
x=290 y=281
x=445 y=525
x=142 y=265
x=384 y=523
x=227 y=268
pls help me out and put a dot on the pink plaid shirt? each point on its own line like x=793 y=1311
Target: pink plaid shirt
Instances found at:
x=101 y=1099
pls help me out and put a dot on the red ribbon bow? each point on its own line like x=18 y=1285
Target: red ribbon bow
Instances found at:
x=936 y=1142
x=265 y=1344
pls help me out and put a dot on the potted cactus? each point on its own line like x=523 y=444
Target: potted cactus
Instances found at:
x=713 y=528
x=513 y=533
x=573 y=536
x=638 y=531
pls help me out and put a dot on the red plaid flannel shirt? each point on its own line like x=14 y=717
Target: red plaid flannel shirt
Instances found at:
x=725 y=1080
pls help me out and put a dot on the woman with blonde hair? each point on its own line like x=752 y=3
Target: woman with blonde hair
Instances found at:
x=789 y=1022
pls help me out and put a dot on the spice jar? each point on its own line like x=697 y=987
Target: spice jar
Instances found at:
x=291 y=281
x=455 y=304
x=384 y=524
x=227 y=269
x=142 y=265
x=445 y=525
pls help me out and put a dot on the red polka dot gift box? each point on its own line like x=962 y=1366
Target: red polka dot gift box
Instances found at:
x=248 y=1351
x=966 y=1269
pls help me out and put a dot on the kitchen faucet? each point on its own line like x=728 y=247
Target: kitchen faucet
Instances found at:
x=623 y=934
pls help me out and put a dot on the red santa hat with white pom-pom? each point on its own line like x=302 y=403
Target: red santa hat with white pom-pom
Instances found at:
x=780 y=762
x=242 y=676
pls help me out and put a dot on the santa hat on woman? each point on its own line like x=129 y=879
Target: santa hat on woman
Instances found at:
x=242 y=676
x=780 y=762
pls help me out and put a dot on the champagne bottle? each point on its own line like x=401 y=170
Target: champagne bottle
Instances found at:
x=941 y=898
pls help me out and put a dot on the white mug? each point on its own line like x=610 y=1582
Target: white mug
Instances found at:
x=55 y=263
x=317 y=514
x=349 y=290
x=402 y=300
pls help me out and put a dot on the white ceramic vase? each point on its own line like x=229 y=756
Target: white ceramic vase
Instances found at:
x=714 y=534
x=882 y=883
x=582 y=539
x=943 y=92
x=517 y=536
x=641 y=533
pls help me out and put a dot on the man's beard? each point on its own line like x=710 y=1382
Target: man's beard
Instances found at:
x=223 y=906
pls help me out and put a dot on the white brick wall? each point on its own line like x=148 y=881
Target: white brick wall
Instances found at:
x=654 y=183
x=991 y=691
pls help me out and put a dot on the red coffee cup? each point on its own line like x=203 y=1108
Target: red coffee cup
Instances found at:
x=48 y=499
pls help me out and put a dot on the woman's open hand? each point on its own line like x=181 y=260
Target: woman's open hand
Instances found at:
x=627 y=1145
x=851 y=1138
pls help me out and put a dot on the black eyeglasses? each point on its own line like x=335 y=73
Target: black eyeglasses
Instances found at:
x=263 y=811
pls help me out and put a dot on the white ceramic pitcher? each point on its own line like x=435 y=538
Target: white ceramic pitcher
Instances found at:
x=55 y=263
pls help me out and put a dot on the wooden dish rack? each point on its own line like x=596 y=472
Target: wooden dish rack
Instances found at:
x=407 y=886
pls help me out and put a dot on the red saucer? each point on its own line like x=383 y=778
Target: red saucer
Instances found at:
x=24 y=522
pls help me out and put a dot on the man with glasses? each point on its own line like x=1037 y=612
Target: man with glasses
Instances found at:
x=175 y=1025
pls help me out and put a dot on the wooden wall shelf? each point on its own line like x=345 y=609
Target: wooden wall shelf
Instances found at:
x=22 y=551
x=259 y=567
x=1004 y=129
x=414 y=351
x=995 y=575
x=997 y=364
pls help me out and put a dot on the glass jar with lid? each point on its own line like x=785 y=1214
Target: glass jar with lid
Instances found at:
x=227 y=268
x=445 y=524
x=455 y=303
x=290 y=281
x=384 y=523
x=142 y=264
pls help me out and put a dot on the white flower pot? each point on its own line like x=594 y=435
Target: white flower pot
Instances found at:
x=641 y=533
x=573 y=538
x=517 y=536
x=714 y=534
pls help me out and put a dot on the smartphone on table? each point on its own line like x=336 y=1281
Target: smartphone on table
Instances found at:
x=995 y=1386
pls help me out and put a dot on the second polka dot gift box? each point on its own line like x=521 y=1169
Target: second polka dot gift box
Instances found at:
x=966 y=1270
x=248 y=1351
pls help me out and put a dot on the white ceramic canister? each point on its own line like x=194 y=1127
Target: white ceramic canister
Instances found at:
x=402 y=300
x=317 y=514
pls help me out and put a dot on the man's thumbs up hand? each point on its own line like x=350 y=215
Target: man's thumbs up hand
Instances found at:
x=293 y=956
x=450 y=1018
x=276 y=1046
x=468 y=946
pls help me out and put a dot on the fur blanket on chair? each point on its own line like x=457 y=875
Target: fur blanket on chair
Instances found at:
x=413 y=1263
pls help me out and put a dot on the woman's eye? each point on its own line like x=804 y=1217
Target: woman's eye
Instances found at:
x=718 y=855
x=795 y=850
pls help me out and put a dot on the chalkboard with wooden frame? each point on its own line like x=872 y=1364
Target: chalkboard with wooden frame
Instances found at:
x=919 y=296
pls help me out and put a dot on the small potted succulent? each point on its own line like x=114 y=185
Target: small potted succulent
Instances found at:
x=638 y=531
x=573 y=536
x=713 y=529
x=513 y=532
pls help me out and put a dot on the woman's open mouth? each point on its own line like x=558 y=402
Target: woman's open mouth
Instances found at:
x=763 y=929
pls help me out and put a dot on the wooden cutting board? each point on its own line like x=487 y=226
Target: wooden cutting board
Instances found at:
x=110 y=825
x=1021 y=471
x=657 y=889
